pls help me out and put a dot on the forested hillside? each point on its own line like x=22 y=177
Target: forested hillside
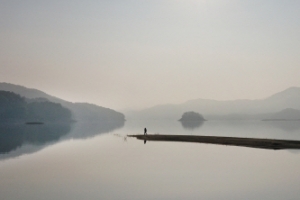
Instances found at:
x=13 y=107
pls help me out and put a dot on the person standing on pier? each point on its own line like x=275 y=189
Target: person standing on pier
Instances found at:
x=145 y=131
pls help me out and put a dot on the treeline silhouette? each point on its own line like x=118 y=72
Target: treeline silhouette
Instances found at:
x=83 y=112
x=13 y=107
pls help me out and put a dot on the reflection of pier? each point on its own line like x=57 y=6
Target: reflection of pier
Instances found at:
x=234 y=141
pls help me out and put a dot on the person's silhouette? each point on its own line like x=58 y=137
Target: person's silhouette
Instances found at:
x=145 y=131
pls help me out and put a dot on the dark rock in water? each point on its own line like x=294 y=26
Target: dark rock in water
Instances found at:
x=192 y=116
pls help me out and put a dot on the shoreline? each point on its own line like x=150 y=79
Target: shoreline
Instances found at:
x=273 y=144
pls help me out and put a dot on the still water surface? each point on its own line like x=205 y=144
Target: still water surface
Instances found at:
x=98 y=161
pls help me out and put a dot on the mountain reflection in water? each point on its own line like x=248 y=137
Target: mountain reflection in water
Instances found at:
x=14 y=136
x=287 y=126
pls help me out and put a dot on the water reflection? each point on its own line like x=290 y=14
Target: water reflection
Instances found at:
x=19 y=139
x=287 y=126
x=88 y=130
x=14 y=136
x=191 y=125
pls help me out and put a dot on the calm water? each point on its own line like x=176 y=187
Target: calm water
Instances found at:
x=97 y=161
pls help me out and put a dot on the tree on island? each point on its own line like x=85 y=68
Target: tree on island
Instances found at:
x=191 y=120
x=192 y=116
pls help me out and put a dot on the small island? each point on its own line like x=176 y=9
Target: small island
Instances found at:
x=192 y=120
x=192 y=116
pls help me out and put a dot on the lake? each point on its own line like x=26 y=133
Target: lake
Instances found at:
x=98 y=161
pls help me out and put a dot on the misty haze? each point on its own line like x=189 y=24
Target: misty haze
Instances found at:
x=159 y=100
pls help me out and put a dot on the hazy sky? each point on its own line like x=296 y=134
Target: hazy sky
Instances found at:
x=135 y=54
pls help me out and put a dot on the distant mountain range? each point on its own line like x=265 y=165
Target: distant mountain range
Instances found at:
x=286 y=103
x=80 y=111
x=282 y=105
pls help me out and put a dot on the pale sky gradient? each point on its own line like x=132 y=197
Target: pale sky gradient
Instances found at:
x=135 y=54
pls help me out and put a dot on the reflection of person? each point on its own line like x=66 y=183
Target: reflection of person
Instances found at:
x=145 y=131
